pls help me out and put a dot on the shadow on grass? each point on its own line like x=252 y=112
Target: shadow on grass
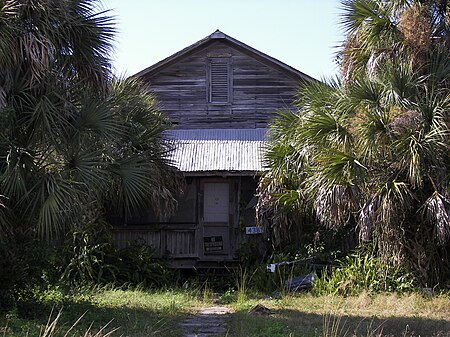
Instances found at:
x=292 y=323
x=31 y=318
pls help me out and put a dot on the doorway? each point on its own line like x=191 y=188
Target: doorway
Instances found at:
x=216 y=218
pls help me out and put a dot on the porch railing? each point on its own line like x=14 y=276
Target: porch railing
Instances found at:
x=172 y=241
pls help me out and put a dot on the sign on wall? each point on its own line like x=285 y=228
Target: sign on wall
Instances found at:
x=253 y=230
x=213 y=243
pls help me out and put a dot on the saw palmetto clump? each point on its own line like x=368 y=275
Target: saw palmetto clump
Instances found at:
x=376 y=141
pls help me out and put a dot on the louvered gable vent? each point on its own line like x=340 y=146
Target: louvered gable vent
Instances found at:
x=219 y=81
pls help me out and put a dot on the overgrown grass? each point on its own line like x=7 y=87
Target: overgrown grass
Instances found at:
x=137 y=313
x=133 y=312
x=362 y=271
x=307 y=315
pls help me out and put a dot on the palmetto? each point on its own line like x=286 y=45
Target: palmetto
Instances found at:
x=72 y=138
x=372 y=149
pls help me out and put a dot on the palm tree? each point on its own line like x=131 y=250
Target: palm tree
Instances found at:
x=374 y=145
x=143 y=175
x=71 y=137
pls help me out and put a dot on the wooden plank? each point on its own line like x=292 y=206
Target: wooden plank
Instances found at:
x=258 y=90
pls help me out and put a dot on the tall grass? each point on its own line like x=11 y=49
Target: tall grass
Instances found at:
x=361 y=271
x=243 y=278
x=158 y=313
x=332 y=326
x=137 y=312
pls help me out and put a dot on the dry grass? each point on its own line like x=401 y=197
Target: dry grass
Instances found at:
x=363 y=315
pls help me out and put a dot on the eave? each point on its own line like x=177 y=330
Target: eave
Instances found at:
x=220 y=36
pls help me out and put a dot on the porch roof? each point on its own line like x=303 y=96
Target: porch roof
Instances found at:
x=218 y=150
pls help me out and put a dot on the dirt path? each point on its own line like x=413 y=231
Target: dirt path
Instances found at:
x=208 y=322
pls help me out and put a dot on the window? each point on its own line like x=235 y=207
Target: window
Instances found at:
x=219 y=80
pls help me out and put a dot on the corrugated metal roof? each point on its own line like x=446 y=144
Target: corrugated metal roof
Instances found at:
x=203 y=150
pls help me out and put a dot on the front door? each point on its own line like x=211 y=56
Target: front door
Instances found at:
x=216 y=218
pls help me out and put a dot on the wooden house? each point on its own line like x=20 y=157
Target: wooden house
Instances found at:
x=220 y=94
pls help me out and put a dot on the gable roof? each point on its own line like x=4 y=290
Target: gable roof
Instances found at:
x=219 y=36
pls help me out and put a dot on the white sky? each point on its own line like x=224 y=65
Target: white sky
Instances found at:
x=302 y=33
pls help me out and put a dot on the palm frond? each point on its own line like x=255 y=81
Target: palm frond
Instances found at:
x=367 y=219
x=402 y=82
x=83 y=36
x=383 y=217
x=286 y=162
x=373 y=36
x=373 y=135
x=436 y=211
x=285 y=155
x=434 y=106
x=58 y=200
x=323 y=113
x=367 y=93
x=359 y=13
x=334 y=205
x=317 y=96
x=134 y=179
x=395 y=200
x=96 y=116
x=439 y=67
x=371 y=21
x=336 y=168
x=46 y=119
x=6 y=220
x=144 y=185
x=325 y=128
x=136 y=107
x=18 y=163
x=285 y=126
x=89 y=168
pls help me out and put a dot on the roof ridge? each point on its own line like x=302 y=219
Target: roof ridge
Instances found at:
x=219 y=35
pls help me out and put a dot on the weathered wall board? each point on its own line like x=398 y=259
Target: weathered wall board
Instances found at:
x=259 y=86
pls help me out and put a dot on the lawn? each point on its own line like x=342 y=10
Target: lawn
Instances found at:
x=158 y=313
x=131 y=312
x=363 y=315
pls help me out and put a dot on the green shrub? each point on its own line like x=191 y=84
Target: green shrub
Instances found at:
x=36 y=300
x=23 y=264
x=88 y=255
x=92 y=258
x=228 y=297
x=362 y=271
x=137 y=266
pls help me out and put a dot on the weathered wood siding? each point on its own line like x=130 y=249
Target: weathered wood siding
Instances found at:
x=258 y=90
x=183 y=242
x=167 y=241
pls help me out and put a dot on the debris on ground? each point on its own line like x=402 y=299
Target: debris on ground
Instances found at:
x=260 y=310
